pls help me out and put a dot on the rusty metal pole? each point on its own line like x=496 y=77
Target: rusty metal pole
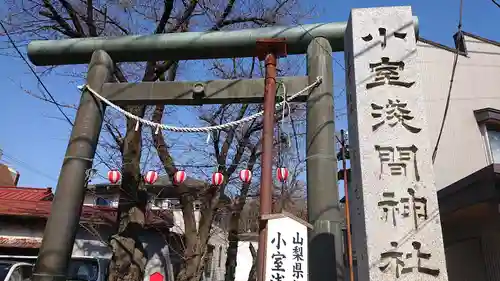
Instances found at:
x=268 y=50
x=347 y=207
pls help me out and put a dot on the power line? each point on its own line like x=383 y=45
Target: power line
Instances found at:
x=453 y=70
x=34 y=73
x=307 y=31
x=27 y=166
x=43 y=85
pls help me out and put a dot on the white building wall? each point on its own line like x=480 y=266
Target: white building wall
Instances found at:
x=244 y=260
x=461 y=151
x=218 y=240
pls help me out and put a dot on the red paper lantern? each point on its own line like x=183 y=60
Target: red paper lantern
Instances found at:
x=114 y=176
x=151 y=177
x=282 y=174
x=179 y=177
x=217 y=178
x=246 y=176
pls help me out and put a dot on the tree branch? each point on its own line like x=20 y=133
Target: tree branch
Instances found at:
x=225 y=14
x=185 y=16
x=168 y=6
x=181 y=26
x=222 y=160
x=90 y=19
x=109 y=19
x=74 y=18
x=55 y=16
x=115 y=134
x=280 y=5
x=255 y=20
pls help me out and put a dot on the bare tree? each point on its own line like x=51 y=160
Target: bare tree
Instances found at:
x=44 y=19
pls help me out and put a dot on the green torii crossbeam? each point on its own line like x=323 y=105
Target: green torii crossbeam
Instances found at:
x=185 y=46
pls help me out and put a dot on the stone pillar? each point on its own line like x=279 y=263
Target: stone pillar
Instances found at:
x=396 y=219
x=325 y=240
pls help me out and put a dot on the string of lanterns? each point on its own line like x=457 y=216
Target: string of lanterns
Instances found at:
x=114 y=176
x=245 y=175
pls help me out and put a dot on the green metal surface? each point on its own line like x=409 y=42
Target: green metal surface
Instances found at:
x=185 y=46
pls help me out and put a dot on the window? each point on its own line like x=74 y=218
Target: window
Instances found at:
x=114 y=203
x=26 y=272
x=163 y=203
x=83 y=269
x=220 y=256
x=4 y=269
x=208 y=261
x=494 y=144
x=20 y=272
x=491 y=140
x=99 y=201
x=488 y=120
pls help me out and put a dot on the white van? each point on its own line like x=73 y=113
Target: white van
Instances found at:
x=80 y=268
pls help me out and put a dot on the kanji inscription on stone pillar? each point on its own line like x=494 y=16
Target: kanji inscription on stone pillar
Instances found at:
x=396 y=223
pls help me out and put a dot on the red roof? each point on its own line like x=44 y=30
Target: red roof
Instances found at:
x=25 y=193
x=18 y=242
x=36 y=202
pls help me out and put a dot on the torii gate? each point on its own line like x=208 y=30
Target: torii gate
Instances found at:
x=318 y=41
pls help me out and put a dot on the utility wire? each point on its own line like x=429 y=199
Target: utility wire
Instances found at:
x=453 y=70
x=14 y=160
x=34 y=73
x=43 y=86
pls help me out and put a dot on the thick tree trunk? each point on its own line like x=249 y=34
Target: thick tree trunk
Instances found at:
x=232 y=249
x=252 y=275
x=197 y=239
x=234 y=224
x=129 y=259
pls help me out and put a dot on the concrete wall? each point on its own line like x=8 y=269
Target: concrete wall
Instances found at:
x=476 y=85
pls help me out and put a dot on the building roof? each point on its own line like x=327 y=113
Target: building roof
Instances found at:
x=454 y=49
x=25 y=193
x=478 y=187
x=36 y=203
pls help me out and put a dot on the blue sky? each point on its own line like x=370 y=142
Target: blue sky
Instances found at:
x=34 y=140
